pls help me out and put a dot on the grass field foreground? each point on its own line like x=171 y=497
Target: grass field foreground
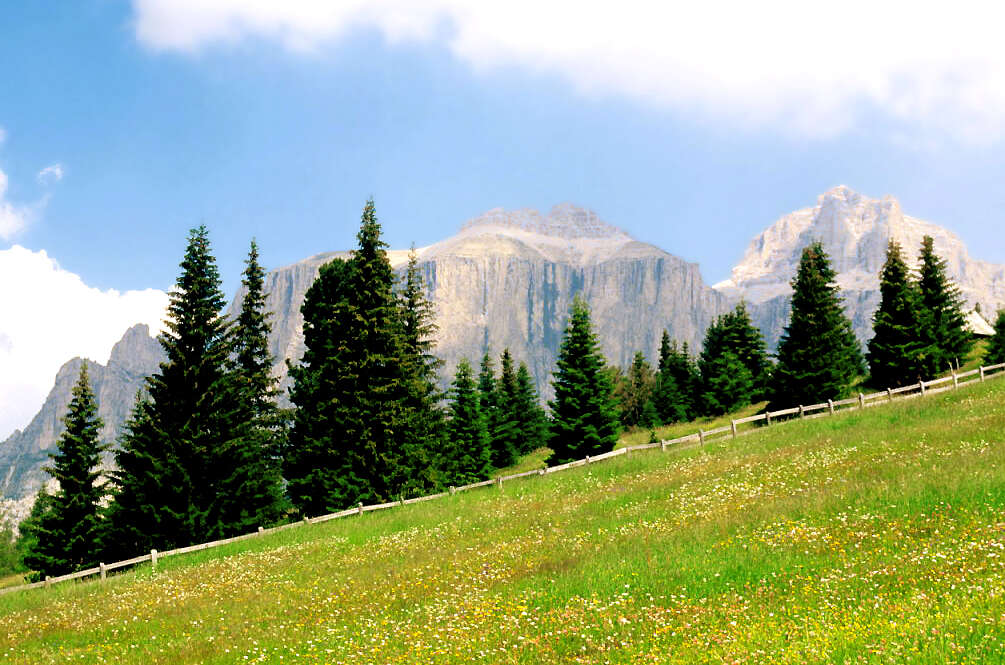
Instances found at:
x=868 y=537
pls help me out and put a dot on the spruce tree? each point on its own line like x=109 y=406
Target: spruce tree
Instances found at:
x=314 y=465
x=894 y=348
x=63 y=536
x=424 y=419
x=945 y=338
x=179 y=466
x=635 y=391
x=466 y=455
x=33 y=531
x=818 y=355
x=488 y=400
x=505 y=431
x=584 y=413
x=533 y=422
x=732 y=334
x=251 y=493
x=347 y=443
x=677 y=383
x=995 y=353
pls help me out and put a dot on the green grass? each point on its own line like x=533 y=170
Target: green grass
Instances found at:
x=869 y=537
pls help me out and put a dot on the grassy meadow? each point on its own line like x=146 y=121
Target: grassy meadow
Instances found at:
x=868 y=537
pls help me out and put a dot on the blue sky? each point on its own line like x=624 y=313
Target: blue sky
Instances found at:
x=691 y=128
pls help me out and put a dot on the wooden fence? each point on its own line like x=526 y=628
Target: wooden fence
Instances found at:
x=862 y=401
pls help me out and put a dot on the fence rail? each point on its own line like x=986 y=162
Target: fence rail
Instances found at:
x=701 y=436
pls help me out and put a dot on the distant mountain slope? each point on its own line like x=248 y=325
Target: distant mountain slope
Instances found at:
x=506 y=280
x=854 y=230
x=115 y=386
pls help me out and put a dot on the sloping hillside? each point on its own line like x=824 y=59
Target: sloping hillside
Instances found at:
x=871 y=536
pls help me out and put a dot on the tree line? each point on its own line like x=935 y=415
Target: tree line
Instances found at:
x=207 y=452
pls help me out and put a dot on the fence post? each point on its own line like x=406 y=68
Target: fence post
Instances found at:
x=956 y=381
x=861 y=401
x=588 y=460
x=359 y=508
x=499 y=482
x=889 y=394
x=922 y=384
x=261 y=531
x=453 y=490
x=48 y=581
x=153 y=560
x=982 y=373
x=732 y=427
x=830 y=405
x=401 y=500
x=103 y=570
x=541 y=472
x=802 y=412
x=701 y=436
x=307 y=520
x=767 y=417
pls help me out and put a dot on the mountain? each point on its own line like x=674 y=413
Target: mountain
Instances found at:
x=506 y=280
x=854 y=230
x=115 y=386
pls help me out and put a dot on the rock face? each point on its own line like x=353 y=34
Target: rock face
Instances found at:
x=506 y=280
x=115 y=386
x=854 y=230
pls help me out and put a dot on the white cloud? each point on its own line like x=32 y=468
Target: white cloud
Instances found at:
x=49 y=315
x=50 y=174
x=13 y=218
x=799 y=67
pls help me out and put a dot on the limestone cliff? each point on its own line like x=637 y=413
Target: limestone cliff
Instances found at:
x=854 y=230
x=115 y=386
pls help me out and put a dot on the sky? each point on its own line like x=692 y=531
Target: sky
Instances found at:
x=692 y=126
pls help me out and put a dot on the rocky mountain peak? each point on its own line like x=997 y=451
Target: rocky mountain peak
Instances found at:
x=855 y=230
x=565 y=220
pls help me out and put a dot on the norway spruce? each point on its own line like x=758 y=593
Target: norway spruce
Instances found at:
x=995 y=353
x=423 y=417
x=943 y=326
x=818 y=354
x=584 y=413
x=63 y=534
x=466 y=454
x=677 y=383
x=894 y=349
x=635 y=391
x=724 y=388
x=180 y=478
x=347 y=443
x=533 y=422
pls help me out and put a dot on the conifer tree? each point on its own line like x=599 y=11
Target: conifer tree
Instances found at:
x=945 y=338
x=488 y=399
x=584 y=414
x=635 y=391
x=533 y=422
x=505 y=431
x=424 y=419
x=732 y=333
x=818 y=355
x=995 y=353
x=179 y=468
x=347 y=443
x=63 y=535
x=314 y=464
x=466 y=455
x=894 y=348
x=32 y=531
x=677 y=383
